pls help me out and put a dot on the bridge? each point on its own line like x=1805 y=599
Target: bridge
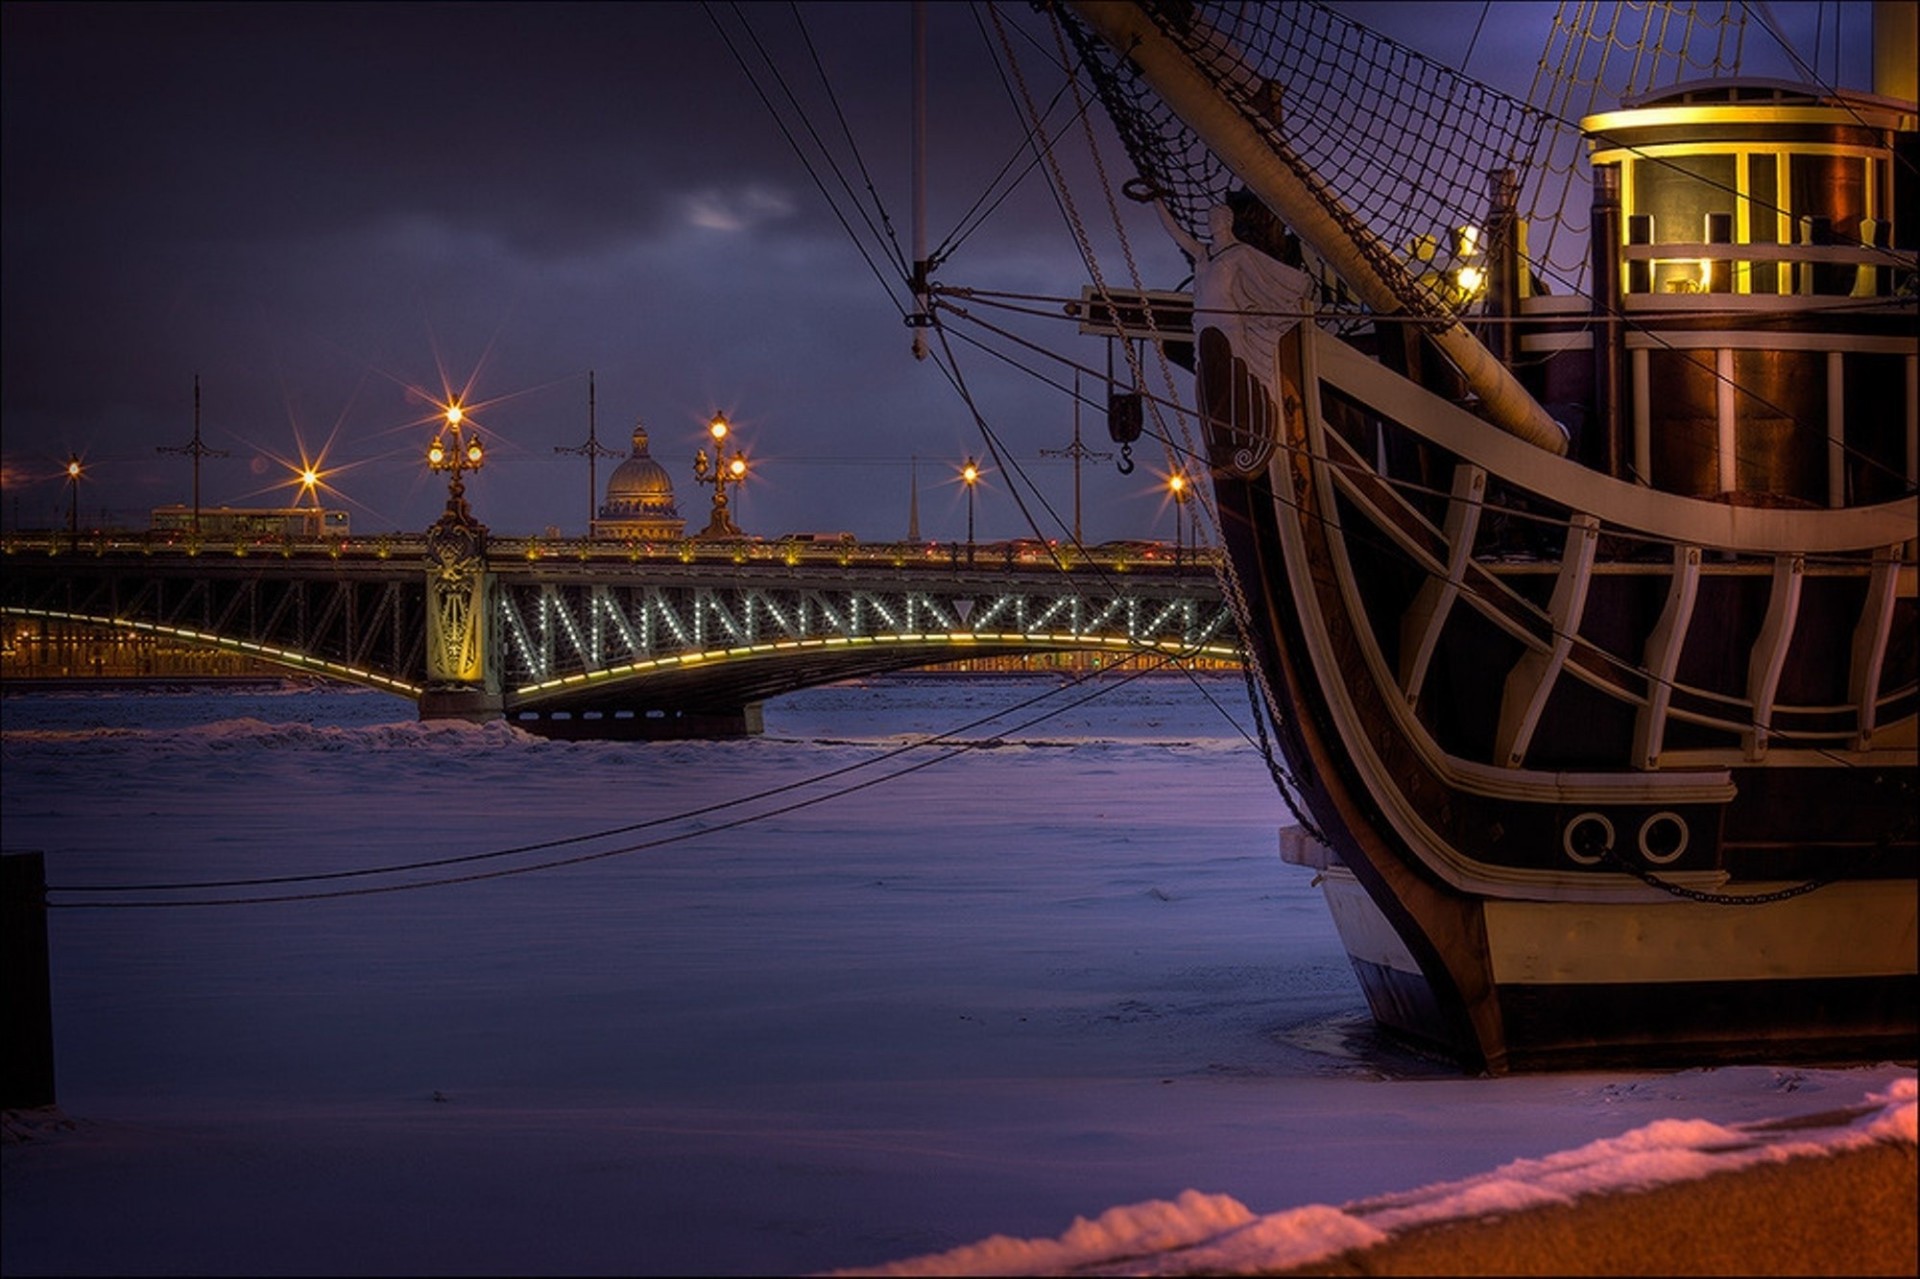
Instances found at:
x=604 y=639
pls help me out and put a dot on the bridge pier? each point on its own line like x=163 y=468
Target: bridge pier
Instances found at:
x=463 y=672
x=475 y=704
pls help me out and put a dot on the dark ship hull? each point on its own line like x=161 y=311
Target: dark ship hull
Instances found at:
x=1605 y=737
x=1562 y=912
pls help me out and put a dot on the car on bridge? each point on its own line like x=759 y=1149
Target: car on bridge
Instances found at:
x=1134 y=550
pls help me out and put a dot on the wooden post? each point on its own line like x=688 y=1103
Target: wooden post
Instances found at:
x=1612 y=452
x=28 y=982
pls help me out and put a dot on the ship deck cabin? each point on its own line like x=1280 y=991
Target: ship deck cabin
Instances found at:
x=1757 y=296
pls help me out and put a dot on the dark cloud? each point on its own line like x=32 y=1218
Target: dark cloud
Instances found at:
x=327 y=210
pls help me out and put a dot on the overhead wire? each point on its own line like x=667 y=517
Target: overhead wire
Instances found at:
x=1106 y=684
x=806 y=160
x=1264 y=702
x=853 y=147
x=1035 y=139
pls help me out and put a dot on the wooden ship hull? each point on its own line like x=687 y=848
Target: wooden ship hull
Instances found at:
x=1526 y=865
x=1605 y=738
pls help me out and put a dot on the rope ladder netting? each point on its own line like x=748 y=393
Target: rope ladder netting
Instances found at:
x=1398 y=147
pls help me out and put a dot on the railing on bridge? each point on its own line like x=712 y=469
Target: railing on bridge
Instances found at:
x=1132 y=555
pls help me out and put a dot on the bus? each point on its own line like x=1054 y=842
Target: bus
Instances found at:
x=306 y=522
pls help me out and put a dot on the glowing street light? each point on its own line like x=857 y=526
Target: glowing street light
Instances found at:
x=73 y=499
x=310 y=485
x=467 y=455
x=970 y=476
x=723 y=471
x=1177 y=485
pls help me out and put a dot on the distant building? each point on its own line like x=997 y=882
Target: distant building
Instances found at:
x=639 y=505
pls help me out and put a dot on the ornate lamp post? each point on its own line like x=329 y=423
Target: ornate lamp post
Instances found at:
x=73 y=500
x=722 y=471
x=970 y=476
x=462 y=682
x=469 y=455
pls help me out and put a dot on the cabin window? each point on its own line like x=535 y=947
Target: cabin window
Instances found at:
x=1763 y=218
x=1828 y=199
x=1681 y=193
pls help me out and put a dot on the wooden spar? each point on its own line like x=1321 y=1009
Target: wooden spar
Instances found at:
x=1309 y=213
x=920 y=318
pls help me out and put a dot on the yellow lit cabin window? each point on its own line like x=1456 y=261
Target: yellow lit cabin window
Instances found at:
x=1770 y=198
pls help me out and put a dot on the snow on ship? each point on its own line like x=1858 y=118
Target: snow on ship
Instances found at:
x=1585 y=614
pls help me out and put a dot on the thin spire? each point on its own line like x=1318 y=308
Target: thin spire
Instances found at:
x=1079 y=453
x=913 y=500
x=196 y=450
x=594 y=451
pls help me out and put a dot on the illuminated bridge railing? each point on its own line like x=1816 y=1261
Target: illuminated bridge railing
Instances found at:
x=555 y=634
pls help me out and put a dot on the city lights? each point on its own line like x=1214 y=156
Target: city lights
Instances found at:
x=970 y=476
x=467 y=455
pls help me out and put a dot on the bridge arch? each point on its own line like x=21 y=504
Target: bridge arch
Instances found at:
x=718 y=691
x=293 y=660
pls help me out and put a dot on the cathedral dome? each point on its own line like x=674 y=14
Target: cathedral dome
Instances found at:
x=639 y=501
x=640 y=481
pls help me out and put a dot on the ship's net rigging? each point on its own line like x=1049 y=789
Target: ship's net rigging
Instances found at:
x=1400 y=147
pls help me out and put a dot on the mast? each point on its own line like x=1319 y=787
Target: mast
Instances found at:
x=594 y=451
x=1078 y=452
x=920 y=318
x=913 y=499
x=1896 y=26
x=196 y=450
x=1313 y=215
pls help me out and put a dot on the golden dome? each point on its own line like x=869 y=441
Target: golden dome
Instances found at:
x=639 y=482
x=639 y=501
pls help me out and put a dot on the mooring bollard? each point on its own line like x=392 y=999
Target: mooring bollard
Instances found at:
x=28 y=982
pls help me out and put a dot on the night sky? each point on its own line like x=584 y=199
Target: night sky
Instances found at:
x=335 y=214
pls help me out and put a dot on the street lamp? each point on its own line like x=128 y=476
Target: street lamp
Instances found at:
x=1177 y=485
x=723 y=471
x=73 y=500
x=970 y=476
x=310 y=485
x=469 y=455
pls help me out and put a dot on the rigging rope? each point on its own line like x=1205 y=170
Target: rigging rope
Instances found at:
x=807 y=162
x=1560 y=524
x=1268 y=706
x=1150 y=662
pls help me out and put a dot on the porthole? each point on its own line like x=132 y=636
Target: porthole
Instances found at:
x=1588 y=838
x=1663 y=837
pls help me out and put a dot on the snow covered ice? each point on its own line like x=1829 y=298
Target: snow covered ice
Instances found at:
x=819 y=1000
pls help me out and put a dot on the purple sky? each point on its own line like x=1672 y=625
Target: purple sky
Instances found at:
x=327 y=212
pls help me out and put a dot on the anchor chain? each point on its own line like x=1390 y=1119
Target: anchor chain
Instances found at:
x=1711 y=899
